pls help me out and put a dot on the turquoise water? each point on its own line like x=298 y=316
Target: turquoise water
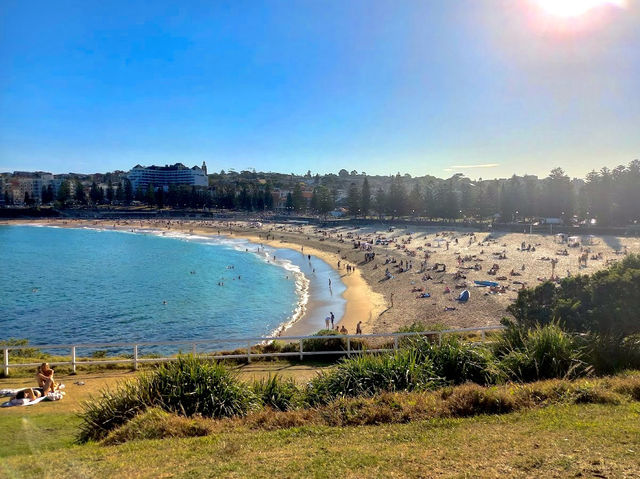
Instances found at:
x=63 y=285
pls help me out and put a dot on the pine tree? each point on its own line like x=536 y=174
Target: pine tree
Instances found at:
x=110 y=193
x=415 y=201
x=80 y=197
x=94 y=194
x=268 y=197
x=365 y=201
x=150 y=195
x=298 y=201
x=128 y=192
x=64 y=192
x=381 y=202
x=353 y=200
x=160 y=198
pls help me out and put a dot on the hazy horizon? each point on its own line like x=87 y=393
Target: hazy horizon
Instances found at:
x=487 y=88
x=446 y=174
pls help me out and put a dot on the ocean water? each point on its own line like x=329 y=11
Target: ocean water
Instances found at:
x=63 y=286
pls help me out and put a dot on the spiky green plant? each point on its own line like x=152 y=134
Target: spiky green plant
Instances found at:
x=188 y=386
x=368 y=374
x=543 y=352
x=277 y=393
x=457 y=361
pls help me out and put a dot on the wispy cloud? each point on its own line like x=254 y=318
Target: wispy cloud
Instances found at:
x=466 y=167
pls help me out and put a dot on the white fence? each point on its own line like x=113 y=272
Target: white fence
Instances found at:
x=193 y=346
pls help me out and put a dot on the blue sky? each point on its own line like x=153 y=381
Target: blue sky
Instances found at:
x=424 y=87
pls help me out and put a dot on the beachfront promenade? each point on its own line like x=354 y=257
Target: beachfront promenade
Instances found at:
x=342 y=344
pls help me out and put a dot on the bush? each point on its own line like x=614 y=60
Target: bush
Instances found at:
x=277 y=393
x=605 y=302
x=544 y=352
x=191 y=386
x=188 y=386
x=458 y=362
x=113 y=409
x=421 y=327
x=366 y=375
x=610 y=354
x=21 y=353
x=330 y=340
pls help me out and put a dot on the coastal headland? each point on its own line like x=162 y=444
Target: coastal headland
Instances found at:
x=395 y=277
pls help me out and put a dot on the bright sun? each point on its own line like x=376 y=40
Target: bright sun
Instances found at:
x=574 y=8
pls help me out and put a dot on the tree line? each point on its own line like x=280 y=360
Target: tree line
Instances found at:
x=609 y=197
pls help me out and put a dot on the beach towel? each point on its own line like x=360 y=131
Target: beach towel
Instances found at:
x=52 y=396
x=9 y=392
x=23 y=402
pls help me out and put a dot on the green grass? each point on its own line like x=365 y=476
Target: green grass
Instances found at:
x=32 y=433
x=562 y=441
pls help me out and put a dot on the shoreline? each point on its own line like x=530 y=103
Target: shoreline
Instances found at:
x=431 y=259
x=362 y=303
x=355 y=298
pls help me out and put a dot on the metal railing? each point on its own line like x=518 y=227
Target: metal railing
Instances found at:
x=250 y=343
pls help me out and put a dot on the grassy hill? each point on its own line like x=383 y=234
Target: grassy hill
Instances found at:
x=561 y=440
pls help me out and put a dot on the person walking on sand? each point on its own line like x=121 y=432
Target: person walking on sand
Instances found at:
x=359 y=327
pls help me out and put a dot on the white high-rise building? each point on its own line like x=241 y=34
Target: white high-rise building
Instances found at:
x=163 y=176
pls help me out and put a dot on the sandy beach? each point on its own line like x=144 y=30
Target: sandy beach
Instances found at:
x=386 y=292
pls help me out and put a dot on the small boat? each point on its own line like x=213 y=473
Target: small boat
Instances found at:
x=486 y=283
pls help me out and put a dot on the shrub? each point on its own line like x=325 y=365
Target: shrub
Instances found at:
x=609 y=354
x=457 y=361
x=366 y=375
x=544 y=352
x=605 y=302
x=191 y=386
x=188 y=386
x=21 y=353
x=277 y=393
x=330 y=340
x=113 y=409
x=420 y=327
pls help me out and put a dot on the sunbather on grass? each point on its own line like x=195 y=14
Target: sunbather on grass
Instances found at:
x=44 y=376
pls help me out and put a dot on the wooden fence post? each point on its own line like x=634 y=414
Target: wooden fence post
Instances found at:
x=6 y=363
x=73 y=358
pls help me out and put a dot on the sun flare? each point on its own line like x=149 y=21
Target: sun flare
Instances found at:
x=574 y=8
